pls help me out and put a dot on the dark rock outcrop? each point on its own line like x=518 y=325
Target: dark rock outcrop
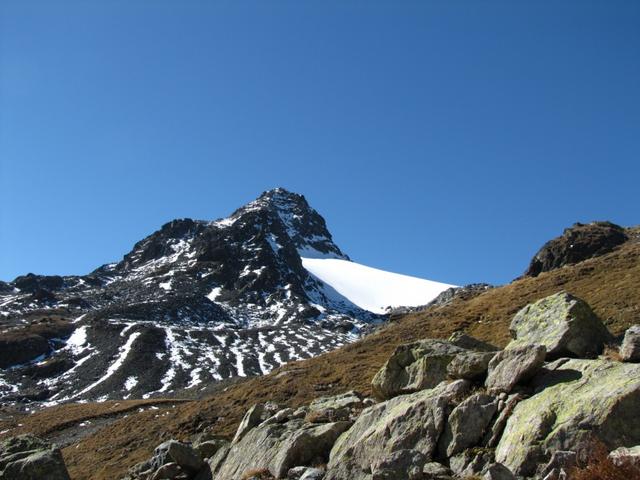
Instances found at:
x=577 y=243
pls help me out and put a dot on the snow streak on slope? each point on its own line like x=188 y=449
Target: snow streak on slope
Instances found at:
x=372 y=289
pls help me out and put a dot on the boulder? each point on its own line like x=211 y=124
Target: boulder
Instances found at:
x=277 y=447
x=413 y=367
x=470 y=365
x=472 y=462
x=177 y=452
x=26 y=457
x=400 y=465
x=574 y=400
x=467 y=423
x=561 y=461
x=462 y=340
x=305 y=473
x=407 y=422
x=168 y=471
x=435 y=471
x=335 y=408
x=513 y=365
x=208 y=449
x=626 y=457
x=564 y=324
x=630 y=349
x=257 y=414
x=577 y=243
x=497 y=471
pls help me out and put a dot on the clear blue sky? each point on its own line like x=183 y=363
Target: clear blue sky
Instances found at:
x=447 y=140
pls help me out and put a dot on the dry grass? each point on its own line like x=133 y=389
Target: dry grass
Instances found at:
x=612 y=352
x=608 y=284
x=599 y=466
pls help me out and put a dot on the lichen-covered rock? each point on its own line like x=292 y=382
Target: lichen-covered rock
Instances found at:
x=513 y=365
x=335 y=408
x=630 y=349
x=575 y=399
x=470 y=365
x=26 y=457
x=257 y=414
x=400 y=465
x=278 y=447
x=564 y=324
x=413 y=367
x=463 y=340
x=435 y=471
x=406 y=422
x=467 y=424
x=177 y=452
x=471 y=462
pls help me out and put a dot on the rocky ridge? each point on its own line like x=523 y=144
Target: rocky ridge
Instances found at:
x=194 y=303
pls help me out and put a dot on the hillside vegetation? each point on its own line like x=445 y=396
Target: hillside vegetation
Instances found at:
x=608 y=283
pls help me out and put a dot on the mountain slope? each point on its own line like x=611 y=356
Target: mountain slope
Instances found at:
x=195 y=302
x=607 y=283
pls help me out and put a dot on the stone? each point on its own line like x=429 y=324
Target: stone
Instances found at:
x=208 y=448
x=564 y=324
x=630 y=349
x=470 y=365
x=254 y=416
x=514 y=365
x=168 y=471
x=624 y=457
x=27 y=457
x=463 y=340
x=435 y=471
x=182 y=454
x=413 y=367
x=497 y=471
x=335 y=408
x=467 y=424
x=400 y=465
x=407 y=422
x=573 y=399
x=471 y=462
x=278 y=447
x=561 y=461
x=313 y=474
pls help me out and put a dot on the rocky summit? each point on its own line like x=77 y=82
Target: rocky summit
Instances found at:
x=192 y=304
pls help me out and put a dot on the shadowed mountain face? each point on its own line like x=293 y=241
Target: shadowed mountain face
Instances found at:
x=194 y=302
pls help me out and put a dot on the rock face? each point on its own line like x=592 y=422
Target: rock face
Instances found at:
x=575 y=400
x=407 y=422
x=414 y=367
x=193 y=303
x=514 y=365
x=578 y=243
x=564 y=324
x=278 y=447
x=630 y=349
x=29 y=458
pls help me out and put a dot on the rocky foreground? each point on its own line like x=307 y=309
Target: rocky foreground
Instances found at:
x=458 y=408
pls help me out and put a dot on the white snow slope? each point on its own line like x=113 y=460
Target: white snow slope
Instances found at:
x=372 y=289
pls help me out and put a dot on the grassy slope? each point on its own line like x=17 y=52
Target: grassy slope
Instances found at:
x=609 y=284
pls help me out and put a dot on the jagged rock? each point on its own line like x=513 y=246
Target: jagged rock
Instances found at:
x=305 y=473
x=578 y=243
x=564 y=324
x=435 y=471
x=513 y=365
x=168 y=471
x=470 y=365
x=406 y=422
x=505 y=407
x=26 y=457
x=471 y=462
x=574 y=398
x=177 y=452
x=208 y=449
x=467 y=424
x=630 y=349
x=462 y=340
x=623 y=457
x=414 y=366
x=216 y=462
x=254 y=416
x=335 y=408
x=279 y=447
x=497 y=471
x=400 y=465
x=561 y=461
